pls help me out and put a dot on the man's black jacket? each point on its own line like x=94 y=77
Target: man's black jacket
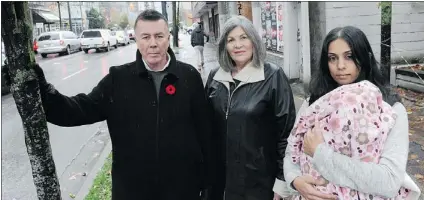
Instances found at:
x=160 y=148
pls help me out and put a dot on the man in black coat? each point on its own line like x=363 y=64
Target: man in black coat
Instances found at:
x=157 y=114
x=198 y=42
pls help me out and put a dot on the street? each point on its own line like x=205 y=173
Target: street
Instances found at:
x=76 y=149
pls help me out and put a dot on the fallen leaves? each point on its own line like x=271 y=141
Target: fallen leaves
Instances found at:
x=419 y=176
x=413 y=156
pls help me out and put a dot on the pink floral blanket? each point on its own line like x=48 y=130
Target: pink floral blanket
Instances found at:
x=355 y=121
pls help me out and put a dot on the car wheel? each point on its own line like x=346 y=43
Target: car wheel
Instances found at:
x=108 y=47
x=86 y=50
x=68 y=50
x=44 y=55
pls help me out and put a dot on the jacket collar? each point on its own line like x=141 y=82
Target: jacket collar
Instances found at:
x=168 y=57
x=249 y=74
x=172 y=69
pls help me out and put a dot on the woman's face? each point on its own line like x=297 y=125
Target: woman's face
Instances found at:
x=342 y=68
x=239 y=46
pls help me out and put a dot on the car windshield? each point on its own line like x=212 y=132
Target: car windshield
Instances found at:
x=91 y=34
x=54 y=36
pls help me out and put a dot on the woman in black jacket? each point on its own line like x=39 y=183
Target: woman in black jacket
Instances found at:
x=254 y=113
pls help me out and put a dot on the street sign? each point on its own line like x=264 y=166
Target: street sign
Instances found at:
x=38 y=25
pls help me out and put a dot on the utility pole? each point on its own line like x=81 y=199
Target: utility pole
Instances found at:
x=164 y=13
x=82 y=22
x=70 y=19
x=175 y=29
x=60 y=16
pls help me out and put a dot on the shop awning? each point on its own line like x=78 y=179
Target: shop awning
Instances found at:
x=44 y=17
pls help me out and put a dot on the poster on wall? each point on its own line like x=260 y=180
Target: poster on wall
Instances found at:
x=272 y=25
x=280 y=42
x=263 y=22
x=268 y=24
x=273 y=29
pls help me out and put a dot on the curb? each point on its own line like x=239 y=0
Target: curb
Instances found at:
x=85 y=188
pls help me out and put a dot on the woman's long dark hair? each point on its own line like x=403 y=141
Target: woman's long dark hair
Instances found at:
x=364 y=58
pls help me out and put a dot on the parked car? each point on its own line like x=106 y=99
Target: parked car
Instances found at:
x=62 y=42
x=122 y=38
x=35 y=46
x=5 y=89
x=131 y=34
x=98 y=39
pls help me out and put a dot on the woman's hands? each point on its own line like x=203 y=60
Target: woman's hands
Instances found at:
x=312 y=139
x=305 y=186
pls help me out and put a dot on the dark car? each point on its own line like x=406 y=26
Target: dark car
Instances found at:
x=5 y=89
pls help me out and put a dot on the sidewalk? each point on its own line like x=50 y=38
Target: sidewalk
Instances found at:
x=188 y=55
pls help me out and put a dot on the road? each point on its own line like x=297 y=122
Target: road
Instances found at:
x=74 y=149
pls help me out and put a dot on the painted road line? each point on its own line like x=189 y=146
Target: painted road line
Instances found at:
x=74 y=73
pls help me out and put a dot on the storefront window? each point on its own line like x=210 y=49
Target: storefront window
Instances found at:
x=272 y=25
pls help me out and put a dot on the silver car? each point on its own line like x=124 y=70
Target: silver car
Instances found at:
x=62 y=42
x=122 y=37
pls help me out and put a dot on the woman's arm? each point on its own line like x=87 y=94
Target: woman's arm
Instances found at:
x=383 y=178
x=291 y=170
x=285 y=116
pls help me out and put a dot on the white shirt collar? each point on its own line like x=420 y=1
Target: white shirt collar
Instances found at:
x=166 y=65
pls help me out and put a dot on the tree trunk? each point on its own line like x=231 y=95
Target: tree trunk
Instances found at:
x=164 y=12
x=16 y=31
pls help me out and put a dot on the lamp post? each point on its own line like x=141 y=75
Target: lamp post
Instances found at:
x=70 y=19
x=60 y=16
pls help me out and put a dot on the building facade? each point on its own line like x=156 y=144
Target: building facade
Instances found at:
x=293 y=32
x=207 y=13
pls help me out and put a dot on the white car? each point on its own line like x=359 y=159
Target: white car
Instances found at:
x=62 y=42
x=122 y=37
x=99 y=39
x=131 y=34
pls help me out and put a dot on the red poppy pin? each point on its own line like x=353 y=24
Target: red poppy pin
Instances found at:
x=170 y=89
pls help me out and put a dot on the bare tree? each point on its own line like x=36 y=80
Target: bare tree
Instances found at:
x=16 y=31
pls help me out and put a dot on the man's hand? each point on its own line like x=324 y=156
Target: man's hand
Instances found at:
x=304 y=185
x=44 y=85
x=312 y=139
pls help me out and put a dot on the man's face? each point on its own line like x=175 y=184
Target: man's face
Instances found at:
x=152 y=39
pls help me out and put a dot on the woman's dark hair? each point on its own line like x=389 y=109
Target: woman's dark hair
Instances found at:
x=364 y=58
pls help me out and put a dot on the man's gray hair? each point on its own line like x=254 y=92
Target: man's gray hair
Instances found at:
x=259 y=50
